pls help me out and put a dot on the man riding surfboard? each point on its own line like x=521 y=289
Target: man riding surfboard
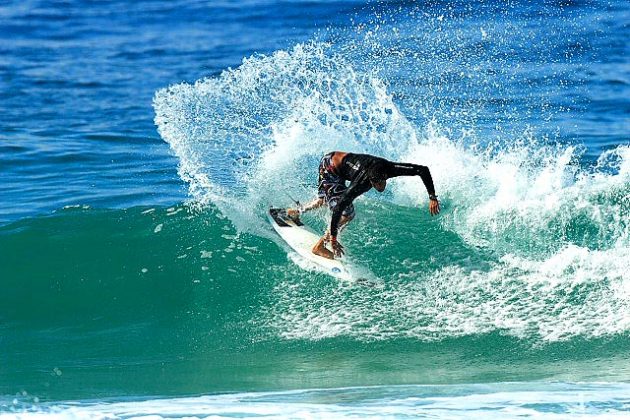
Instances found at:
x=364 y=172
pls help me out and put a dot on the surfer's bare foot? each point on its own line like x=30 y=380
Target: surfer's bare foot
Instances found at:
x=293 y=214
x=321 y=250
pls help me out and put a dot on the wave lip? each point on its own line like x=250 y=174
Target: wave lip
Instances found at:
x=255 y=128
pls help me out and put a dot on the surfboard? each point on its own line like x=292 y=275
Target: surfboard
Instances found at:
x=302 y=239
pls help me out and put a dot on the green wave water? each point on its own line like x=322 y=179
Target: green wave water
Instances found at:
x=172 y=301
x=514 y=302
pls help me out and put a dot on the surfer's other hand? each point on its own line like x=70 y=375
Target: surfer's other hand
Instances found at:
x=434 y=207
x=336 y=247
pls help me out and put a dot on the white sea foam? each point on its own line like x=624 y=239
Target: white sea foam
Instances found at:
x=487 y=401
x=576 y=292
x=557 y=240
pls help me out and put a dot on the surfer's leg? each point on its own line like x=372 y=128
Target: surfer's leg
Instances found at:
x=322 y=189
x=315 y=204
x=343 y=222
x=330 y=189
x=320 y=247
x=346 y=217
x=318 y=202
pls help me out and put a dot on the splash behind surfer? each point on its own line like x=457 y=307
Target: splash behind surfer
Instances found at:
x=364 y=172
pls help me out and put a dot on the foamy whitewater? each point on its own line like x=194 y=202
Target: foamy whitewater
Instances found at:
x=491 y=401
x=552 y=230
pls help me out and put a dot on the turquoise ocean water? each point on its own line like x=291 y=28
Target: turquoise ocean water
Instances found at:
x=141 y=143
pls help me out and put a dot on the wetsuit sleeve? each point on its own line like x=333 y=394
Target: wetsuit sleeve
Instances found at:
x=353 y=191
x=410 y=169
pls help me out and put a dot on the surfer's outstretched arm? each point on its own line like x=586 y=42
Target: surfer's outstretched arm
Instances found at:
x=411 y=169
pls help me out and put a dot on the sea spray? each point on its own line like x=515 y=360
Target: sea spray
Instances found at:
x=248 y=135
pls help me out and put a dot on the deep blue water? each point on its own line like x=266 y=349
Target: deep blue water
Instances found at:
x=77 y=79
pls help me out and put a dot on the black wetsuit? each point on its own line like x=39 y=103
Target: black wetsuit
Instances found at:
x=358 y=168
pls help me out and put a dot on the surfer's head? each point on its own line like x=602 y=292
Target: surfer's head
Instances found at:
x=378 y=176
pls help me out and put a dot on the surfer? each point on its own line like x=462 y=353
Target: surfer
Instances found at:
x=363 y=172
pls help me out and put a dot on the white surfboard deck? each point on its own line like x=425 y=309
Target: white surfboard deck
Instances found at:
x=301 y=239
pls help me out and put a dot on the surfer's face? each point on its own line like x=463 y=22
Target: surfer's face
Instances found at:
x=379 y=185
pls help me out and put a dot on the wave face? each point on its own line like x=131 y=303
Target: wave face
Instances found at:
x=116 y=297
x=532 y=243
x=519 y=110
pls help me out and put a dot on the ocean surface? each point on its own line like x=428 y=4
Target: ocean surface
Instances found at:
x=141 y=143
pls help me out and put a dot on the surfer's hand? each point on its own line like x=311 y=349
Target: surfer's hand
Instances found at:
x=434 y=206
x=336 y=247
